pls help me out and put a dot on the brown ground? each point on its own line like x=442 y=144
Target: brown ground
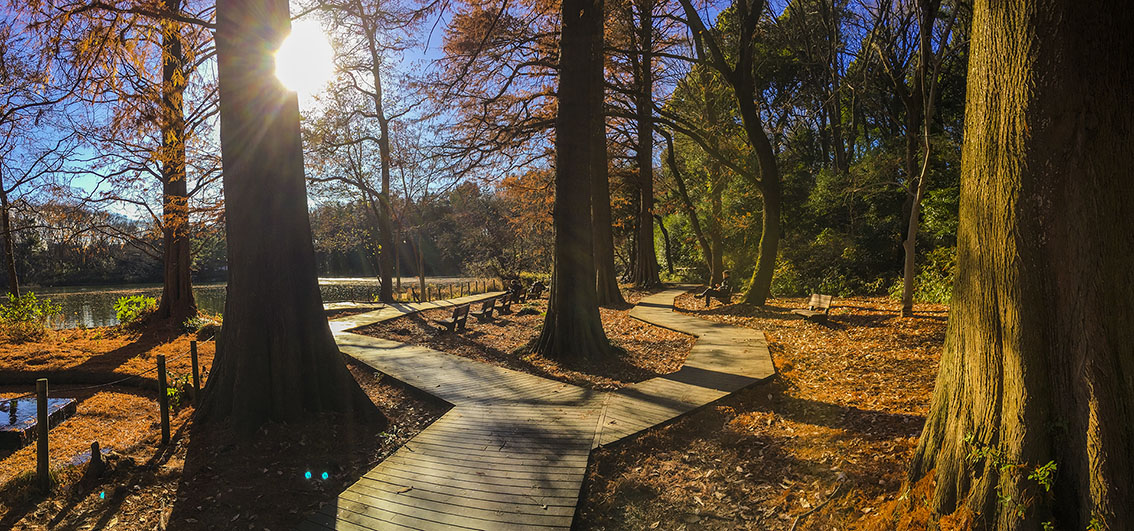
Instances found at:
x=832 y=432
x=203 y=479
x=822 y=446
x=507 y=341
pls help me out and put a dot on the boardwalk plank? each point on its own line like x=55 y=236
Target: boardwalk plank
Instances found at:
x=513 y=451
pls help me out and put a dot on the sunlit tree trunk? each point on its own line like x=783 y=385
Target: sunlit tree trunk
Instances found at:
x=572 y=329
x=177 y=303
x=1039 y=351
x=276 y=358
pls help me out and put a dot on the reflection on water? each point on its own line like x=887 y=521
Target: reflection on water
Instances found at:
x=92 y=306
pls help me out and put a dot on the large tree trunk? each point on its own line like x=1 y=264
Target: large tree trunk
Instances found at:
x=645 y=273
x=276 y=358
x=769 y=187
x=1039 y=351
x=606 y=277
x=9 y=247
x=759 y=286
x=572 y=329
x=177 y=303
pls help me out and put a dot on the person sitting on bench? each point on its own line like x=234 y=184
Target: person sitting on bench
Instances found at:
x=722 y=291
x=516 y=291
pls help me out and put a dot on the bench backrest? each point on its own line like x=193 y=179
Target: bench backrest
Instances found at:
x=488 y=304
x=461 y=312
x=819 y=302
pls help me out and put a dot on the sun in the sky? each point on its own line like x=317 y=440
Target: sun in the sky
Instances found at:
x=305 y=60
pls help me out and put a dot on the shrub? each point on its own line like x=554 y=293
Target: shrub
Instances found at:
x=132 y=308
x=204 y=324
x=26 y=317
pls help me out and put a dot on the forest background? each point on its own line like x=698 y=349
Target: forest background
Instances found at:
x=439 y=123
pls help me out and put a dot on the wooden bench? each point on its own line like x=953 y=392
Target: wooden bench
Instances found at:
x=505 y=304
x=485 y=311
x=725 y=295
x=817 y=308
x=457 y=321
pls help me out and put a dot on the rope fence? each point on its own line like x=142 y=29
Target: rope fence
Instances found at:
x=43 y=478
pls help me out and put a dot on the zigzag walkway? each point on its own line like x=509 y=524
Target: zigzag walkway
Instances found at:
x=513 y=451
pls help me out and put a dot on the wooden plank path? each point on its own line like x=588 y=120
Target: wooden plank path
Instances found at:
x=512 y=452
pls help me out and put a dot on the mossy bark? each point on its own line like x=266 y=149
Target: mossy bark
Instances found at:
x=1039 y=351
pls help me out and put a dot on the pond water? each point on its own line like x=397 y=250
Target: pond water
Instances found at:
x=92 y=306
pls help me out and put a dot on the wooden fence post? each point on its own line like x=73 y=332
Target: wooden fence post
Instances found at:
x=163 y=398
x=43 y=474
x=196 y=372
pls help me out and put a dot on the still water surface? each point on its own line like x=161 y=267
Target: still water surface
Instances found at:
x=91 y=306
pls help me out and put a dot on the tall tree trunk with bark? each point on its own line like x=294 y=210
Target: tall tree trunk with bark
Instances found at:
x=9 y=247
x=645 y=273
x=1039 y=351
x=276 y=358
x=606 y=277
x=572 y=329
x=177 y=303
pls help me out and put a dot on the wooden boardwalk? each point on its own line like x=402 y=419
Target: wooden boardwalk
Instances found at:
x=513 y=451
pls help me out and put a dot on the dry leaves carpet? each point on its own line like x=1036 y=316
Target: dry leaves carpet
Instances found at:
x=823 y=446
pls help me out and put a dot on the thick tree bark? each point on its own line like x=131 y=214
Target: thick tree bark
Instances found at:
x=276 y=358
x=1039 y=351
x=9 y=247
x=645 y=273
x=606 y=277
x=572 y=329
x=177 y=303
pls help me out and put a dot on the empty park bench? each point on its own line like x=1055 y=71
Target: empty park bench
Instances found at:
x=817 y=308
x=457 y=321
x=485 y=311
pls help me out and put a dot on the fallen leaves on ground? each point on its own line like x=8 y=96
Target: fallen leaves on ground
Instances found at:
x=825 y=443
x=206 y=478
